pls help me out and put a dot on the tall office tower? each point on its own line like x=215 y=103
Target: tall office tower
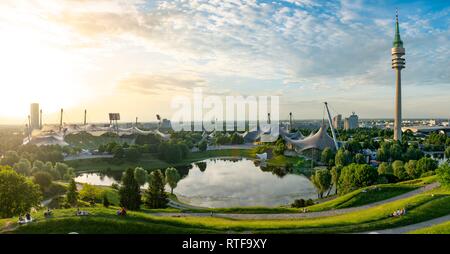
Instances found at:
x=351 y=122
x=337 y=121
x=398 y=63
x=34 y=116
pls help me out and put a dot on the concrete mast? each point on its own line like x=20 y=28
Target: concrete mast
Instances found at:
x=398 y=63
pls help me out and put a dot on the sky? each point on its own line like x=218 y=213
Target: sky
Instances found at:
x=134 y=56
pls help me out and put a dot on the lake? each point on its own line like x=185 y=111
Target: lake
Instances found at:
x=229 y=183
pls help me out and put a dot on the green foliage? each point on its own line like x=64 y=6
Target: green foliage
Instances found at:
x=443 y=174
x=299 y=203
x=447 y=153
x=343 y=157
x=105 y=201
x=426 y=164
x=202 y=146
x=171 y=152
x=17 y=193
x=399 y=170
x=140 y=175
x=355 y=176
x=360 y=158
x=155 y=195
x=413 y=153
x=43 y=179
x=321 y=180
x=91 y=193
x=72 y=193
x=411 y=169
x=236 y=139
x=327 y=156
x=279 y=147
x=335 y=174
x=23 y=167
x=10 y=158
x=172 y=178
x=150 y=139
x=132 y=154
x=385 y=168
x=130 y=196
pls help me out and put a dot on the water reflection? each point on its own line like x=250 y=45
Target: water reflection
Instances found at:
x=228 y=183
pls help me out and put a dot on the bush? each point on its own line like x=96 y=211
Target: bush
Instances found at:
x=43 y=179
x=443 y=174
x=355 y=176
x=17 y=193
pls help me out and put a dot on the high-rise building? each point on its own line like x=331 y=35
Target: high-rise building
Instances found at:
x=398 y=63
x=337 y=121
x=34 y=116
x=351 y=122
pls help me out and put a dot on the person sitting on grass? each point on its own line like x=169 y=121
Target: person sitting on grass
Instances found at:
x=48 y=213
x=28 y=217
x=21 y=219
x=122 y=212
x=81 y=213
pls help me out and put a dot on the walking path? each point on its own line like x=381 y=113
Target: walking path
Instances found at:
x=409 y=228
x=293 y=215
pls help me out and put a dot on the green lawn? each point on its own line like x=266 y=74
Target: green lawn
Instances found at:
x=443 y=228
x=150 y=161
x=421 y=207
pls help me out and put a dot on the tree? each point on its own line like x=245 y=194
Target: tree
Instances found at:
x=411 y=169
x=118 y=152
x=384 y=152
x=443 y=174
x=132 y=154
x=105 y=201
x=202 y=146
x=327 y=156
x=140 y=175
x=413 y=153
x=279 y=147
x=72 y=193
x=90 y=193
x=172 y=178
x=360 y=158
x=155 y=196
x=129 y=192
x=61 y=168
x=343 y=157
x=23 y=167
x=447 y=152
x=426 y=164
x=385 y=169
x=43 y=179
x=335 y=173
x=18 y=194
x=399 y=170
x=321 y=180
x=396 y=152
x=9 y=158
x=355 y=176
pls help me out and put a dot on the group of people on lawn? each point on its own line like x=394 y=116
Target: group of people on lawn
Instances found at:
x=398 y=213
x=23 y=220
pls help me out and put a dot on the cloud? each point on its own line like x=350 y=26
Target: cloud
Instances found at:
x=158 y=84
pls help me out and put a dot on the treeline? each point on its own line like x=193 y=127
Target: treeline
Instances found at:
x=170 y=151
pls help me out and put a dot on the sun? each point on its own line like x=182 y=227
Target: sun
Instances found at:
x=34 y=67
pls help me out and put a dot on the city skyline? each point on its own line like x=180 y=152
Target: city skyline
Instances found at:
x=100 y=56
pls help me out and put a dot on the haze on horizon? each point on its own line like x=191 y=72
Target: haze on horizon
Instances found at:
x=133 y=56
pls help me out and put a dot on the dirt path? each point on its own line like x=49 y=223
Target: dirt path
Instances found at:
x=295 y=215
x=409 y=228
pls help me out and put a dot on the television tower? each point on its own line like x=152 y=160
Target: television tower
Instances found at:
x=398 y=63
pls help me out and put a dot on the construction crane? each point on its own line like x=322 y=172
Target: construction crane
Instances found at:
x=331 y=126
